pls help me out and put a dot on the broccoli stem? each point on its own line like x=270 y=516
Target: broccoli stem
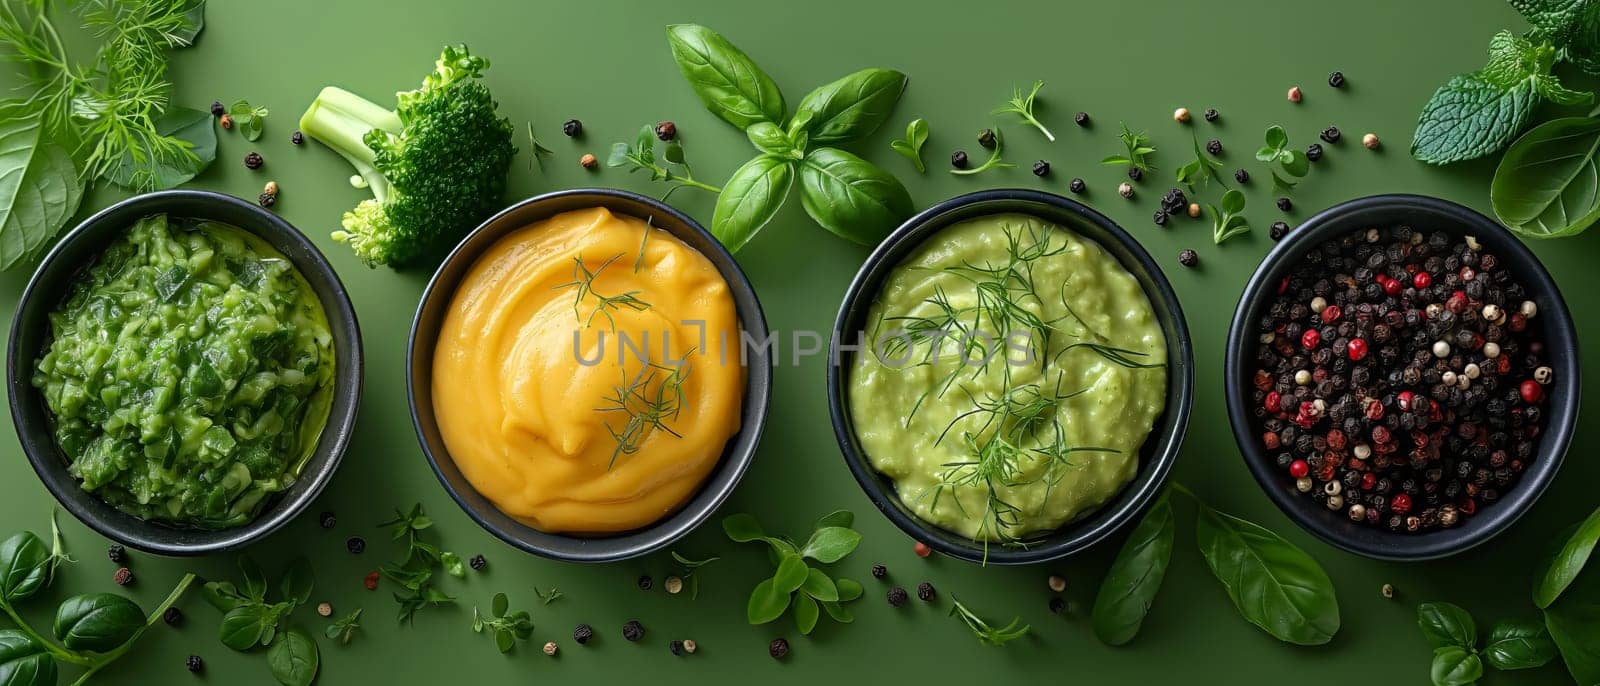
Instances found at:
x=339 y=119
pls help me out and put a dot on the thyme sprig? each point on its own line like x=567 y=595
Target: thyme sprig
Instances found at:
x=672 y=168
x=583 y=282
x=649 y=404
x=1023 y=107
x=1138 y=148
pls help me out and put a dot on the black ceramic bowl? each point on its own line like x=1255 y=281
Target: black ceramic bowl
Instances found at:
x=736 y=456
x=30 y=332
x=1554 y=324
x=1160 y=449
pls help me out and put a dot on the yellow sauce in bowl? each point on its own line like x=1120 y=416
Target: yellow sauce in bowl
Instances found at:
x=587 y=374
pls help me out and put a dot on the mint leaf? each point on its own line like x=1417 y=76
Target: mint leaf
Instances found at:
x=1513 y=58
x=1470 y=117
x=1573 y=26
x=1549 y=87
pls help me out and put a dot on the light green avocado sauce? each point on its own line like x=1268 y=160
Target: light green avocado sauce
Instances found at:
x=1049 y=428
x=189 y=374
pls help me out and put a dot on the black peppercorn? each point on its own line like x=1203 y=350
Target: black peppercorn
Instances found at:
x=778 y=648
x=582 y=633
x=925 y=592
x=218 y=109
x=1279 y=230
x=252 y=160
x=1057 y=605
x=172 y=616
x=666 y=130
x=477 y=563
x=327 y=520
x=1135 y=173
x=1082 y=118
x=645 y=582
x=1241 y=176
x=355 y=544
x=1211 y=114
x=897 y=596
x=986 y=138
x=1041 y=168
x=297 y=138
x=1284 y=204
x=958 y=159
x=1076 y=186
x=675 y=647
x=193 y=663
x=123 y=577
x=1188 y=258
x=1314 y=152
x=633 y=630
x=267 y=199
x=879 y=571
x=1174 y=201
x=1160 y=217
x=1336 y=79
x=116 y=552
x=1214 y=146
x=1331 y=134
x=572 y=127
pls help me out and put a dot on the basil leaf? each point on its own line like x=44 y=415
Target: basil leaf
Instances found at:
x=728 y=82
x=97 y=622
x=1568 y=562
x=750 y=199
x=294 y=660
x=844 y=518
x=221 y=595
x=849 y=589
x=819 y=586
x=453 y=564
x=1455 y=666
x=243 y=627
x=806 y=613
x=255 y=581
x=1135 y=577
x=853 y=106
x=791 y=574
x=1547 y=186
x=298 y=581
x=830 y=544
x=766 y=603
x=1444 y=624
x=39 y=185
x=24 y=661
x=24 y=567
x=1519 y=645
x=770 y=139
x=743 y=528
x=1575 y=628
x=852 y=197
x=159 y=172
x=1274 y=585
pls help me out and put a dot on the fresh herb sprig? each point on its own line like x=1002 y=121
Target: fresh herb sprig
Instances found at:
x=1457 y=659
x=995 y=160
x=540 y=151
x=344 y=628
x=249 y=620
x=1227 y=219
x=549 y=596
x=797 y=585
x=987 y=634
x=1023 y=107
x=415 y=572
x=649 y=403
x=1202 y=170
x=507 y=627
x=911 y=146
x=1137 y=150
x=689 y=571
x=248 y=118
x=672 y=168
x=1294 y=163
x=583 y=284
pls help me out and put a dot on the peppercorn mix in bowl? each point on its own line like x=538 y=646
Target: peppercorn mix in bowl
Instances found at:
x=1402 y=377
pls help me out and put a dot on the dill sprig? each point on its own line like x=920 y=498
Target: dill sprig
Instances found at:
x=648 y=403
x=1023 y=107
x=583 y=281
x=987 y=634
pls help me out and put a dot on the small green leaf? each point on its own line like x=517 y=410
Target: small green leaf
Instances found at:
x=295 y=658
x=1130 y=587
x=500 y=605
x=1444 y=624
x=24 y=565
x=743 y=528
x=97 y=622
x=1276 y=138
x=830 y=544
x=1274 y=584
x=911 y=146
x=255 y=581
x=298 y=581
x=852 y=107
x=453 y=564
x=1455 y=666
x=849 y=589
x=1569 y=561
x=819 y=586
x=805 y=613
x=504 y=640
x=243 y=627
x=24 y=661
x=791 y=574
x=770 y=139
x=766 y=603
x=839 y=613
x=750 y=199
x=1295 y=163
x=221 y=595
x=1519 y=645
x=840 y=518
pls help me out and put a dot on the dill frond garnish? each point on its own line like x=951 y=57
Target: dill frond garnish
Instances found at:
x=649 y=399
x=583 y=282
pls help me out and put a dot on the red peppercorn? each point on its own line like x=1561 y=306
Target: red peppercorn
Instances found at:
x=1403 y=400
x=1457 y=302
x=1310 y=339
x=1270 y=440
x=1393 y=286
x=1283 y=285
x=1503 y=364
x=1531 y=391
x=1467 y=274
x=1299 y=469
x=1358 y=349
x=921 y=549
x=1422 y=280
x=1518 y=322
x=1374 y=411
x=1336 y=439
x=1400 y=503
x=1469 y=506
x=1271 y=402
x=371 y=581
x=1369 y=481
x=1330 y=314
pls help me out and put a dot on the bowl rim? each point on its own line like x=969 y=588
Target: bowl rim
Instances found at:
x=1556 y=437
x=1140 y=492
x=665 y=531
x=340 y=313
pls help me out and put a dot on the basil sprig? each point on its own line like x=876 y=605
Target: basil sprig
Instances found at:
x=796 y=585
x=845 y=194
x=250 y=620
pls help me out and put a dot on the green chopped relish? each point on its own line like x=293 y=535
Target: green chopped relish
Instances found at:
x=190 y=373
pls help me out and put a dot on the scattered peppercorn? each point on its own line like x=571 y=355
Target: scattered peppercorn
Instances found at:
x=1135 y=173
x=633 y=630
x=1194 y=210
x=297 y=138
x=172 y=616
x=921 y=549
x=688 y=645
x=1214 y=146
x=123 y=577
x=1331 y=134
x=550 y=648
x=1314 y=152
x=271 y=188
x=1278 y=230
x=986 y=138
x=674 y=585
x=1041 y=169
x=477 y=563
x=958 y=159
x=356 y=545
x=267 y=199
x=1284 y=204
x=582 y=633
x=588 y=161
x=897 y=596
x=1188 y=258
x=1174 y=201
x=1125 y=190
x=1387 y=590
x=325 y=609
x=675 y=647
x=371 y=581
x=1295 y=95
x=1336 y=79
x=1057 y=605
x=572 y=127
x=193 y=663
x=226 y=121
x=1211 y=114
x=666 y=130
x=926 y=592
x=1160 y=217
x=1241 y=176
x=116 y=552
x=1076 y=186
x=1057 y=583
x=1370 y=141
x=778 y=648
x=645 y=582
x=327 y=520
x=1082 y=118
x=879 y=571
x=1181 y=115
x=252 y=160
x=218 y=109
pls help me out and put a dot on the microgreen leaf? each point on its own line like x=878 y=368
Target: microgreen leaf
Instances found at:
x=806 y=613
x=988 y=635
x=911 y=146
x=830 y=544
x=1138 y=149
x=766 y=603
x=743 y=528
x=1226 y=222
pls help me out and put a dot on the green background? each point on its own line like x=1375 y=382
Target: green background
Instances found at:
x=606 y=62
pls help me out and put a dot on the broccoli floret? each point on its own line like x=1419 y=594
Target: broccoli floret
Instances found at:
x=436 y=165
